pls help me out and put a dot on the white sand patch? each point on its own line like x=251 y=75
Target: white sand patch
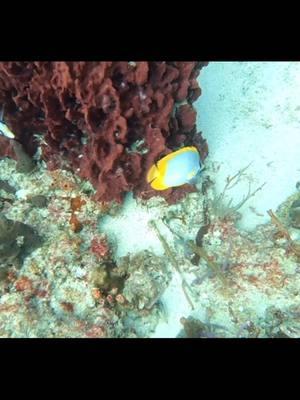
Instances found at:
x=175 y=306
x=250 y=111
x=129 y=229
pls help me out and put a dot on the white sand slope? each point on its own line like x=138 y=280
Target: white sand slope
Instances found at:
x=250 y=111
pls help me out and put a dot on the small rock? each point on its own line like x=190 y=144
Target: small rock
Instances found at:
x=39 y=201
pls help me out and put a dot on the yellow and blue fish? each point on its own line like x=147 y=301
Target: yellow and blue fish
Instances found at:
x=175 y=169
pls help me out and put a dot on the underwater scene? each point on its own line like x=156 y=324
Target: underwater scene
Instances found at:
x=149 y=199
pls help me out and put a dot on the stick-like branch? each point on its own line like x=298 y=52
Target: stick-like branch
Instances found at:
x=173 y=261
x=213 y=265
x=294 y=246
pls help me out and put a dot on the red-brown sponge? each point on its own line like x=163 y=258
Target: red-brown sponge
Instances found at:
x=107 y=121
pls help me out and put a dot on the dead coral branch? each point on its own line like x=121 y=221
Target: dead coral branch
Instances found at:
x=219 y=205
x=294 y=246
x=173 y=261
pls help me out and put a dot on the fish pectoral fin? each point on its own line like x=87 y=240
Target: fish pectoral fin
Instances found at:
x=195 y=178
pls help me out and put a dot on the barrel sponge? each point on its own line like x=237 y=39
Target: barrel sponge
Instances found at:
x=107 y=121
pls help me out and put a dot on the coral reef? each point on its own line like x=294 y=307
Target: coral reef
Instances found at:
x=71 y=284
x=76 y=284
x=237 y=276
x=283 y=323
x=106 y=121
